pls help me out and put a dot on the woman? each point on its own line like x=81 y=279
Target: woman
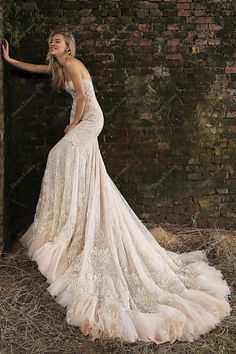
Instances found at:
x=102 y=263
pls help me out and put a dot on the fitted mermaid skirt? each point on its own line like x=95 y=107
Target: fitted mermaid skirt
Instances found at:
x=102 y=263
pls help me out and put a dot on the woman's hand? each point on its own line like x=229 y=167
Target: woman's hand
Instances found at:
x=34 y=68
x=69 y=127
x=5 y=50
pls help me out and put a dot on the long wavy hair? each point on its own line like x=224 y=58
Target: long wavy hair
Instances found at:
x=55 y=68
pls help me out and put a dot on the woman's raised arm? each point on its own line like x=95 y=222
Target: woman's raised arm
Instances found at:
x=35 y=68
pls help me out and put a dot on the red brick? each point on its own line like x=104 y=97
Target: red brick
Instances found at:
x=202 y=27
x=145 y=27
x=173 y=42
x=147 y=42
x=183 y=6
x=175 y=56
x=230 y=70
x=231 y=114
x=204 y=20
x=184 y=13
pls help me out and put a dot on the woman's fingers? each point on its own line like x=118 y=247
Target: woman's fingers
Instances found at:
x=67 y=128
x=5 y=48
x=5 y=45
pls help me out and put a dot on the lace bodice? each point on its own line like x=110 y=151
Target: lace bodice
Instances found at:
x=92 y=111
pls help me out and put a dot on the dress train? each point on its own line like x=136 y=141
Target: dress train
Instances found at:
x=102 y=263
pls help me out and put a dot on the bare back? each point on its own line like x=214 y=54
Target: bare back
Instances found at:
x=84 y=72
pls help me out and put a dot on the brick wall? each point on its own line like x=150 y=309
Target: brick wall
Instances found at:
x=164 y=73
x=1 y=138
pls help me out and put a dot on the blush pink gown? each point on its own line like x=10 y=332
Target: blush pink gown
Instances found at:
x=102 y=263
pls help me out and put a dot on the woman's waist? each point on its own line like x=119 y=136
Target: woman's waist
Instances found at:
x=92 y=112
x=92 y=117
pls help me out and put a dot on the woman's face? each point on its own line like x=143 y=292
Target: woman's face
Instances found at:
x=57 y=44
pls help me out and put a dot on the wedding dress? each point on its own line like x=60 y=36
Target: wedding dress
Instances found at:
x=103 y=265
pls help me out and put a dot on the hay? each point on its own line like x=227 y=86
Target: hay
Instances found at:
x=32 y=322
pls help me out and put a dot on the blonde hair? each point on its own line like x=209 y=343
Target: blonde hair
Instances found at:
x=55 y=68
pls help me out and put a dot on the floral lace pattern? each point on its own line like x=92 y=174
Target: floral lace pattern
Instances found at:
x=101 y=261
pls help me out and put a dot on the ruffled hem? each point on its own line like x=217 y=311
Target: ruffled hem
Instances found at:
x=185 y=320
x=48 y=256
x=183 y=317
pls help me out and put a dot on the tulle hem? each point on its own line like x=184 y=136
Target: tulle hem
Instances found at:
x=185 y=317
x=109 y=319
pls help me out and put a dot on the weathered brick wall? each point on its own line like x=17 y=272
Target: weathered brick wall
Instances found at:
x=1 y=138
x=164 y=73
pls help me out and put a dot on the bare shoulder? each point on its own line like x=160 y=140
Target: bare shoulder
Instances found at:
x=73 y=62
x=73 y=65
